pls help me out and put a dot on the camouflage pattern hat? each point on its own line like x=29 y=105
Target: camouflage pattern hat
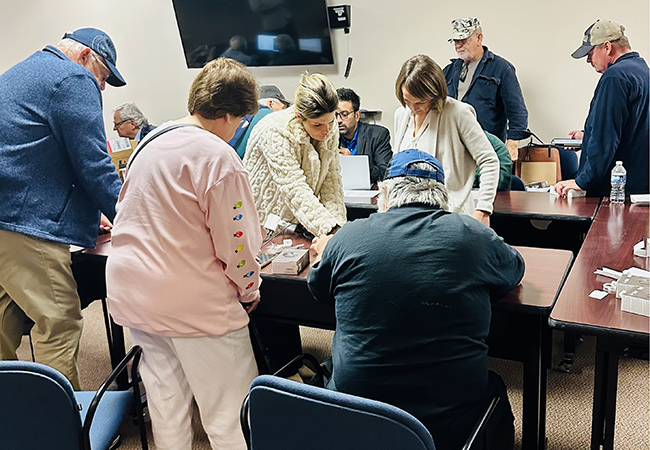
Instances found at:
x=463 y=28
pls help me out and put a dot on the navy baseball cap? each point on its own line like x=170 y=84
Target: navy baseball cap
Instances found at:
x=100 y=43
x=401 y=161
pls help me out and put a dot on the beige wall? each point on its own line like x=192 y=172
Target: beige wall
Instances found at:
x=537 y=37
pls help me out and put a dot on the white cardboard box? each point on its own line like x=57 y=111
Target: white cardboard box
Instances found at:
x=290 y=261
x=636 y=301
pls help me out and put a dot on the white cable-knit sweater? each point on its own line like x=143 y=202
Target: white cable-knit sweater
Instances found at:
x=293 y=176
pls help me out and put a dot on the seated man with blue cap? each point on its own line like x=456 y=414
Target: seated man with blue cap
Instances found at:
x=413 y=287
x=55 y=178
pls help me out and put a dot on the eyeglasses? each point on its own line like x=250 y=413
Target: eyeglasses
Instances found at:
x=462 y=42
x=115 y=125
x=101 y=63
x=343 y=114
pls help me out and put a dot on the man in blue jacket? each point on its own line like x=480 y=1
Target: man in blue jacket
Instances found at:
x=55 y=178
x=488 y=83
x=617 y=127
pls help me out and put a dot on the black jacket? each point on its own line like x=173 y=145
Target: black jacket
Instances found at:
x=374 y=141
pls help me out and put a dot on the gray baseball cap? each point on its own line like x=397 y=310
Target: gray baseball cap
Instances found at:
x=463 y=28
x=270 y=91
x=598 y=33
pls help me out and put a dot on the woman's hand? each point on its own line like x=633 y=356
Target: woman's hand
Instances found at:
x=249 y=307
x=482 y=217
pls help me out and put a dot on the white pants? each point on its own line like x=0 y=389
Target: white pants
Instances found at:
x=216 y=370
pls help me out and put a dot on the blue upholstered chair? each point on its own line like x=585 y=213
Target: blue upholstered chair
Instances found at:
x=284 y=414
x=517 y=184
x=40 y=410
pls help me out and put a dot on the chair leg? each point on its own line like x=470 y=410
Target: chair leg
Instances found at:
x=116 y=442
x=571 y=342
x=31 y=347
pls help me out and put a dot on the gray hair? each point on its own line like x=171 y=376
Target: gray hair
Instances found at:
x=128 y=111
x=623 y=42
x=70 y=45
x=72 y=48
x=400 y=191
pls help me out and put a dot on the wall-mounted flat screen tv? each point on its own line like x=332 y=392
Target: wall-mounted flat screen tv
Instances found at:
x=255 y=32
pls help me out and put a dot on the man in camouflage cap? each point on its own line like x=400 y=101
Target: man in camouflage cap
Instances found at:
x=488 y=83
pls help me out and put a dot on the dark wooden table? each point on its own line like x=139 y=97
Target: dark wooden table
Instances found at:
x=519 y=329
x=609 y=243
x=533 y=219
x=89 y=270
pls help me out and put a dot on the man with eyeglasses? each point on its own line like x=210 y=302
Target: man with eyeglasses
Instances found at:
x=359 y=138
x=55 y=178
x=487 y=82
x=130 y=122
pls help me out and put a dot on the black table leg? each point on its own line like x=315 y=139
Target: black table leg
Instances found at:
x=605 y=384
x=536 y=361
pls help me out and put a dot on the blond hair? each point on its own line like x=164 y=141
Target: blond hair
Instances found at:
x=224 y=86
x=422 y=78
x=315 y=96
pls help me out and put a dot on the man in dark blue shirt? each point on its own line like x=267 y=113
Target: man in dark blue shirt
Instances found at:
x=488 y=83
x=358 y=138
x=617 y=127
x=412 y=289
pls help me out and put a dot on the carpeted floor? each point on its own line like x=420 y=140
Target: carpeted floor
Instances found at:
x=569 y=402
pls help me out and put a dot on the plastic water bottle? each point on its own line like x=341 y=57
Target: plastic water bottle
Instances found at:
x=619 y=178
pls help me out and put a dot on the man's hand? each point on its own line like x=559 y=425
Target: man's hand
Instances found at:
x=482 y=217
x=513 y=149
x=105 y=225
x=249 y=307
x=562 y=188
x=576 y=134
x=344 y=151
x=318 y=246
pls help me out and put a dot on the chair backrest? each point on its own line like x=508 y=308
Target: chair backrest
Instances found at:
x=539 y=163
x=37 y=408
x=289 y=415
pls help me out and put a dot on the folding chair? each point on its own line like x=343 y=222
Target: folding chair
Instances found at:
x=280 y=413
x=41 y=410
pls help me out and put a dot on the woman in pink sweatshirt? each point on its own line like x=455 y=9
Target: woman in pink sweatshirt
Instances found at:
x=182 y=274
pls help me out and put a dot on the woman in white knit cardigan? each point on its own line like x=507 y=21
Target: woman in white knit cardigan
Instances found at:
x=447 y=129
x=292 y=160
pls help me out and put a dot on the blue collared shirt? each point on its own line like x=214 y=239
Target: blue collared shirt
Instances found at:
x=352 y=144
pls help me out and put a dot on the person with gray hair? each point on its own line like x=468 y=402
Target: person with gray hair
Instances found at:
x=488 y=82
x=271 y=100
x=55 y=178
x=412 y=288
x=130 y=122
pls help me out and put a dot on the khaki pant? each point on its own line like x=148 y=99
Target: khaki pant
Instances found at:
x=214 y=370
x=36 y=280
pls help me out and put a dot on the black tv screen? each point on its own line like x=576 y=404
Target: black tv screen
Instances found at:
x=255 y=32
